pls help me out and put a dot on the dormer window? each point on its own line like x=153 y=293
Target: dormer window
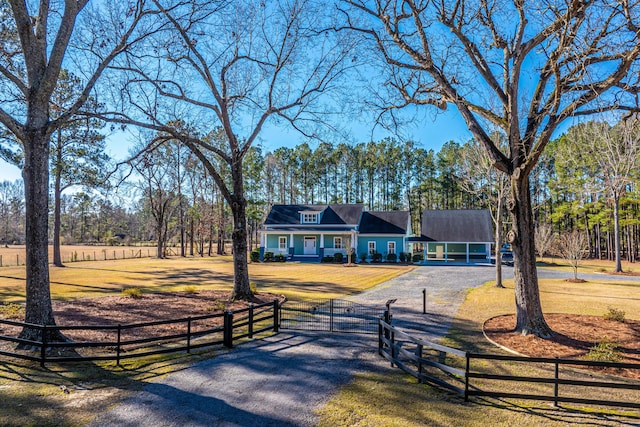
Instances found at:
x=309 y=218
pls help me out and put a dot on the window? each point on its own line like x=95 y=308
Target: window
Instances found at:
x=372 y=248
x=309 y=218
x=282 y=242
x=391 y=247
x=337 y=242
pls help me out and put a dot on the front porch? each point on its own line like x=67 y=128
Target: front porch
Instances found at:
x=306 y=246
x=451 y=252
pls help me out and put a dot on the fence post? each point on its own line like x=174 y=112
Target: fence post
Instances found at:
x=276 y=315
x=0 y=260
x=43 y=346
x=393 y=347
x=331 y=315
x=466 y=378
x=419 y=356
x=188 y=334
x=251 y=320
x=17 y=259
x=424 y=301
x=556 y=375
x=118 y=345
x=227 y=334
x=380 y=342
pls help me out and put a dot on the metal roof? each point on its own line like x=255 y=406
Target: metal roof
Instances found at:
x=457 y=226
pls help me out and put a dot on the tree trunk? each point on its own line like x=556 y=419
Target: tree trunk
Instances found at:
x=498 y=237
x=36 y=187
x=57 y=258
x=530 y=319
x=241 y=288
x=616 y=232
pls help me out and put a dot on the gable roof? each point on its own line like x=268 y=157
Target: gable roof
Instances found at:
x=332 y=214
x=457 y=226
x=392 y=222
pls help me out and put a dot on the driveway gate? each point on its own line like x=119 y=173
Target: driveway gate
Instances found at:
x=333 y=315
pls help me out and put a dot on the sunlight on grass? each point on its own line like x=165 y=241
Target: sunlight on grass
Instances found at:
x=294 y=280
x=396 y=399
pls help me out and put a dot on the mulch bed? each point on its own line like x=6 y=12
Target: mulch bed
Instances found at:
x=148 y=307
x=573 y=337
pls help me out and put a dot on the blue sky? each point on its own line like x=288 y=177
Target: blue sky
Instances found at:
x=428 y=130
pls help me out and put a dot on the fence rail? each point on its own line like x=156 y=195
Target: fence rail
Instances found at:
x=135 y=341
x=427 y=362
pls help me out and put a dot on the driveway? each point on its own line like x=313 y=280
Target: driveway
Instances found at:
x=283 y=379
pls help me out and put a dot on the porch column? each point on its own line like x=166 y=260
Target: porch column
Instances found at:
x=263 y=244
x=424 y=252
x=291 y=247
x=354 y=247
x=321 y=251
x=446 y=252
x=467 y=252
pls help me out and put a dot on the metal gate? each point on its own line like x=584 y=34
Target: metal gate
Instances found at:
x=333 y=315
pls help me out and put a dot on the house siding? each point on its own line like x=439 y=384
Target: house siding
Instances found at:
x=381 y=244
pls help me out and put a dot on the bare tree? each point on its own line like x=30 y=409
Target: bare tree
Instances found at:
x=38 y=39
x=159 y=188
x=544 y=238
x=481 y=178
x=230 y=67
x=525 y=67
x=572 y=247
x=612 y=154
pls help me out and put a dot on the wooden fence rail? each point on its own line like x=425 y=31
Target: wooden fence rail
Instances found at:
x=126 y=343
x=451 y=369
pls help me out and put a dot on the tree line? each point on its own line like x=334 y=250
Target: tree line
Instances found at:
x=212 y=75
x=173 y=202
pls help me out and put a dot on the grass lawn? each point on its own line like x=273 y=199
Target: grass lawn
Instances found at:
x=397 y=400
x=296 y=281
x=71 y=394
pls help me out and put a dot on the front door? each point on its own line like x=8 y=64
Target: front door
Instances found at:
x=309 y=245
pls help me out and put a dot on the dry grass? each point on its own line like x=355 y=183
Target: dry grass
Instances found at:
x=294 y=280
x=15 y=254
x=72 y=394
x=397 y=400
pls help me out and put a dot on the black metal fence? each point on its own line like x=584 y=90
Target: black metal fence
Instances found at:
x=452 y=369
x=144 y=339
x=331 y=315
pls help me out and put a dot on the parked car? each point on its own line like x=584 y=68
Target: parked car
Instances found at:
x=506 y=254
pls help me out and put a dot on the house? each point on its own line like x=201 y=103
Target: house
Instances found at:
x=454 y=236
x=311 y=232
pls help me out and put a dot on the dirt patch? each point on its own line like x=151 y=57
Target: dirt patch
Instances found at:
x=149 y=307
x=573 y=337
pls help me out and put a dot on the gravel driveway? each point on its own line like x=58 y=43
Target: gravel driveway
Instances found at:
x=281 y=380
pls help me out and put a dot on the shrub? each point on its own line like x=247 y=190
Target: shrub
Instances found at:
x=190 y=290
x=417 y=258
x=327 y=258
x=337 y=257
x=217 y=306
x=404 y=257
x=392 y=257
x=12 y=311
x=268 y=256
x=376 y=257
x=132 y=292
x=254 y=256
x=280 y=258
x=604 y=351
x=363 y=257
x=614 y=314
